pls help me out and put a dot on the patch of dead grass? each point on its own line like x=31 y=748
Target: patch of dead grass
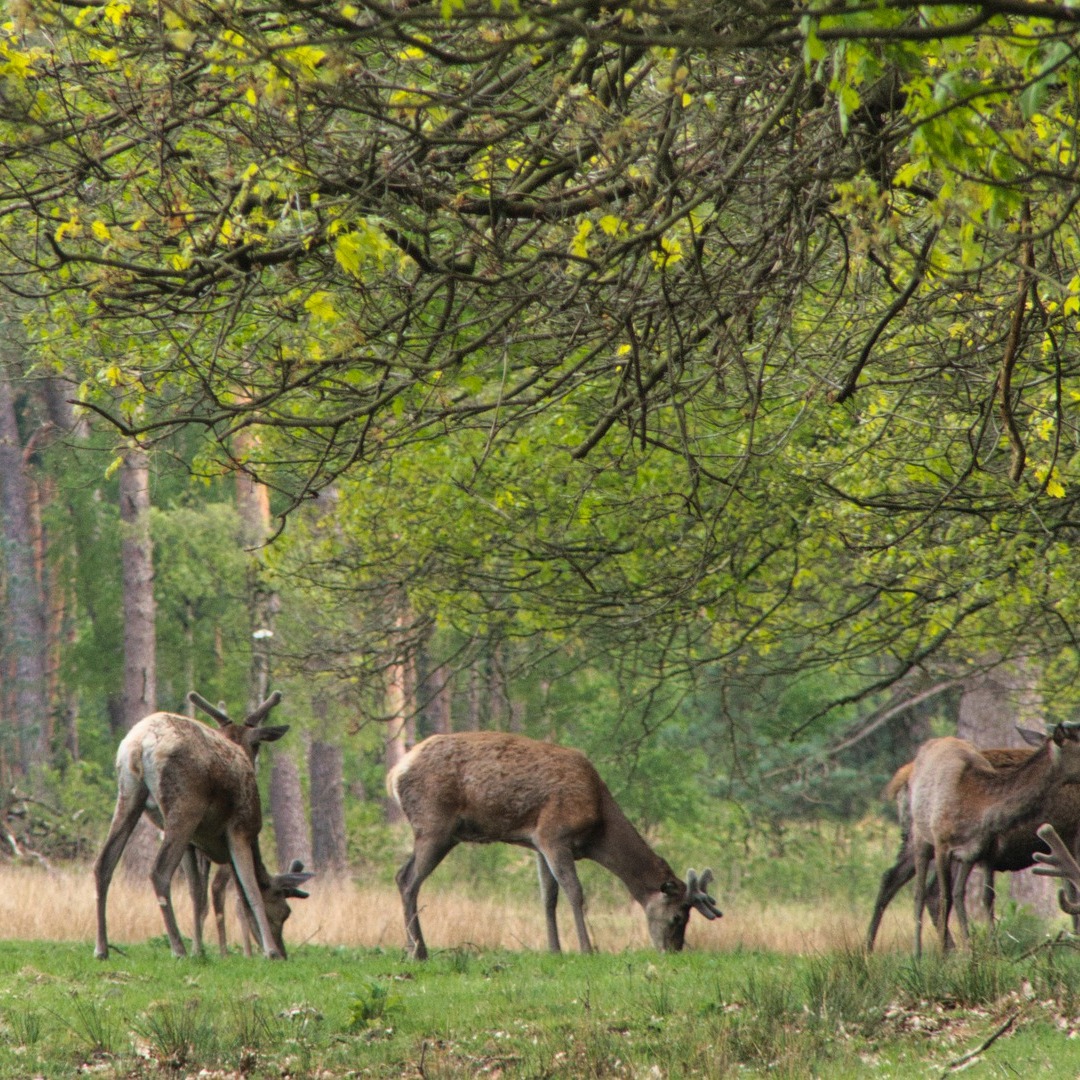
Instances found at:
x=58 y=905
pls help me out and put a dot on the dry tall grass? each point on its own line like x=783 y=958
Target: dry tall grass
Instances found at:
x=58 y=905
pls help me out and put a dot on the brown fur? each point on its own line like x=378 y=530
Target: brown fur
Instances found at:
x=1011 y=850
x=199 y=787
x=485 y=787
x=960 y=803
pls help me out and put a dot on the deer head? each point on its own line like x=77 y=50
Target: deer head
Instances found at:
x=669 y=912
x=249 y=734
x=283 y=887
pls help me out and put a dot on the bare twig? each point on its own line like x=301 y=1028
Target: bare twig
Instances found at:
x=960 y=1062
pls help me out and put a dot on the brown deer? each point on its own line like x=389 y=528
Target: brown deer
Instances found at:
x=483 y=787
x=197 y=864
x=1011 y=851
x=198 y=785
x=960 y=803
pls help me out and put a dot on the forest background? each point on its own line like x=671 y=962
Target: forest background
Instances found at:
x=692 y=383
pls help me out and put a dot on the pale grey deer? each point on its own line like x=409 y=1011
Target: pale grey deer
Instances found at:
x=198 y=785
x=960 y=803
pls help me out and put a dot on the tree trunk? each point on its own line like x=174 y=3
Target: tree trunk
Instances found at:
x=434 y=692
x=286 y=795
x=992 y=704
x=401 y=711
x=137 y=573
x=439 y=696
x=287 y=811
x=140 y=641
x=326 y=772
x=473 y=719
x=24 y=608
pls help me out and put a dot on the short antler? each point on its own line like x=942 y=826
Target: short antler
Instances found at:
x=1059 y=863
x=261 y=713
x=697 y=893
x=215 y=711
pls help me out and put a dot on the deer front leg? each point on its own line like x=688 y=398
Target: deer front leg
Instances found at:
x=549 y=895
x=959 y=891
x=129 y=808
x=244 y=867
x=561 y=864
x=221 y=883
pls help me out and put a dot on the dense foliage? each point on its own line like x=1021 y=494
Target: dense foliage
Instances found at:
x=712 y=349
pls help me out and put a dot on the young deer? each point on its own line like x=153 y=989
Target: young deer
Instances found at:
x=197 y=864
x=1010 y=851
x=482 y=787
x=960 y=803
x=198 y=785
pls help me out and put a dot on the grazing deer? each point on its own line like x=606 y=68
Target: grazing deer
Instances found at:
x=960 y=803
x=483 y=787
x=198 y=785
x=217 y=888
x=197 y=871
x=1011 y=851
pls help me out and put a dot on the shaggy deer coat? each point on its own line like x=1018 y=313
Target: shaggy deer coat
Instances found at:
x=1012 y=850
x=485 y=787
x=960 y=803
x=199 y=787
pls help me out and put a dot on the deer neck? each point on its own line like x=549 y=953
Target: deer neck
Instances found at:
x=621 y=849
x=1019 y=793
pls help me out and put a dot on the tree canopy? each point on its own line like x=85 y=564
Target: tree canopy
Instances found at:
x=727 y=329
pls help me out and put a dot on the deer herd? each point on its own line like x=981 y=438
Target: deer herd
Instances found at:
x=959 y=807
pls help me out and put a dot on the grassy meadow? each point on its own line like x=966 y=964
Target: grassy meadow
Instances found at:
x=778 y=988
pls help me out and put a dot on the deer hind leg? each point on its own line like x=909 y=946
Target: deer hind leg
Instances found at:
x=129 y=808
x=196 y=868
x=922 y=863
x=428 y=852
x=959 y=888
x=946 y=888
x=549 y=895
x=892 y=881
x=560 y=861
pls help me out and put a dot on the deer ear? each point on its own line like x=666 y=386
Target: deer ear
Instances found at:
x=1031 y=736
x=270 y=734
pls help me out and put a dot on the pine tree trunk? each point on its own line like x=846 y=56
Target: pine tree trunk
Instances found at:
x=137 y=574
x=401 y=710
x=439 y=696
x=286 y=795
x=24 y=606
x=140 y=641
x=287 y=811
x=326 y=772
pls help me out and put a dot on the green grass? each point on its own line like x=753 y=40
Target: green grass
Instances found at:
x=338 y=1013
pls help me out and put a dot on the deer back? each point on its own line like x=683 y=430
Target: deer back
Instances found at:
x=496 y=786
x=182 y=761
